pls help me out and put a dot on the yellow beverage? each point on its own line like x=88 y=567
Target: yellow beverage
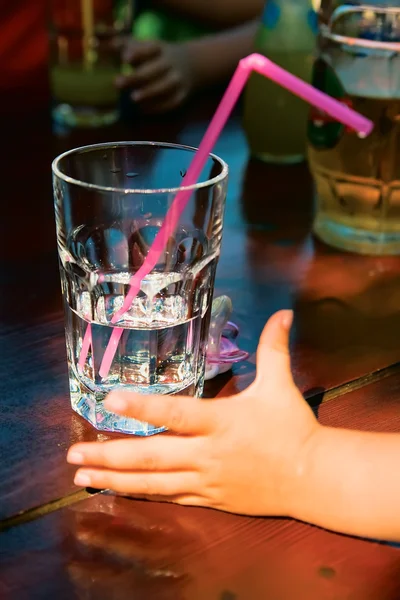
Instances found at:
x=358 y=183
x=358 y=180
x=73 y=85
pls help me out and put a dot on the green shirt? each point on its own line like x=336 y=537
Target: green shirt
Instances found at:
x=158 y=25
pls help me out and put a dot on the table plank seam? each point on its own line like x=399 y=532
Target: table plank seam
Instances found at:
x=323 y=396
x=314 y=400
x=44 y=509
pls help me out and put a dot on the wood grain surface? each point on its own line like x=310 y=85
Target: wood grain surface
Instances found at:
x=116 y=548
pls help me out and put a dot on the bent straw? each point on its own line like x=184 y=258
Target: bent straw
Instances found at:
x=262 y=65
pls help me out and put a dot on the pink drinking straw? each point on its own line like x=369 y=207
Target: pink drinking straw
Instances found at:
x=262 y=65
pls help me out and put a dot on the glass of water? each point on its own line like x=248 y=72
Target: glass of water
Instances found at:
x=110 y=202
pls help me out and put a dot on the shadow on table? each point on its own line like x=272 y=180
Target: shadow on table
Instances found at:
x=347 y=318
x=124 y=549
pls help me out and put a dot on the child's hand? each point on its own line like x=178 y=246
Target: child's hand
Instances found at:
x=241 y=454
x=161 y=78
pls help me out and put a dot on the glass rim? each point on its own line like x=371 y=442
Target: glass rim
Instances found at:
x=106 y=145
x=347 y=40
x=353 y=42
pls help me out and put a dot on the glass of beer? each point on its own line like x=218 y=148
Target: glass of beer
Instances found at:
x=358 y=180
x=84 y=61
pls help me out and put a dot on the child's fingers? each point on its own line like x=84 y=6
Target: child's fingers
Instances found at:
x=159 y=453
x=150 y=71
x=273 y=358
x=118 y=43
x=137 y=53
x=147 y=73
x=158 y=87
x=148 y=484
x=179 y=414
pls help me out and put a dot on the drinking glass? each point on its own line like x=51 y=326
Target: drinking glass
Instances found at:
x=110 y=202
x=84 y=61
x=358 y=179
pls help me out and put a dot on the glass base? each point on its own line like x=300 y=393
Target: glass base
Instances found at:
x=285 y=159
x=103 y=420
x=89 y=405
x=360 y=241
x=84 y=116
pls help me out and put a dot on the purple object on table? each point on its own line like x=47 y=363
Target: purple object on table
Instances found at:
x=223 y=351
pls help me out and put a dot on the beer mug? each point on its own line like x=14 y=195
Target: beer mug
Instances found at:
x=358 y=180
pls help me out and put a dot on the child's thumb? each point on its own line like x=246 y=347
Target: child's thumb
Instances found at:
x=273 y=349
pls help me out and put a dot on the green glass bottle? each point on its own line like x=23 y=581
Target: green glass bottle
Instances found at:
x=275 y=121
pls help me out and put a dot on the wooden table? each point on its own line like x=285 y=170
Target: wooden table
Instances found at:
x=61 y=542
